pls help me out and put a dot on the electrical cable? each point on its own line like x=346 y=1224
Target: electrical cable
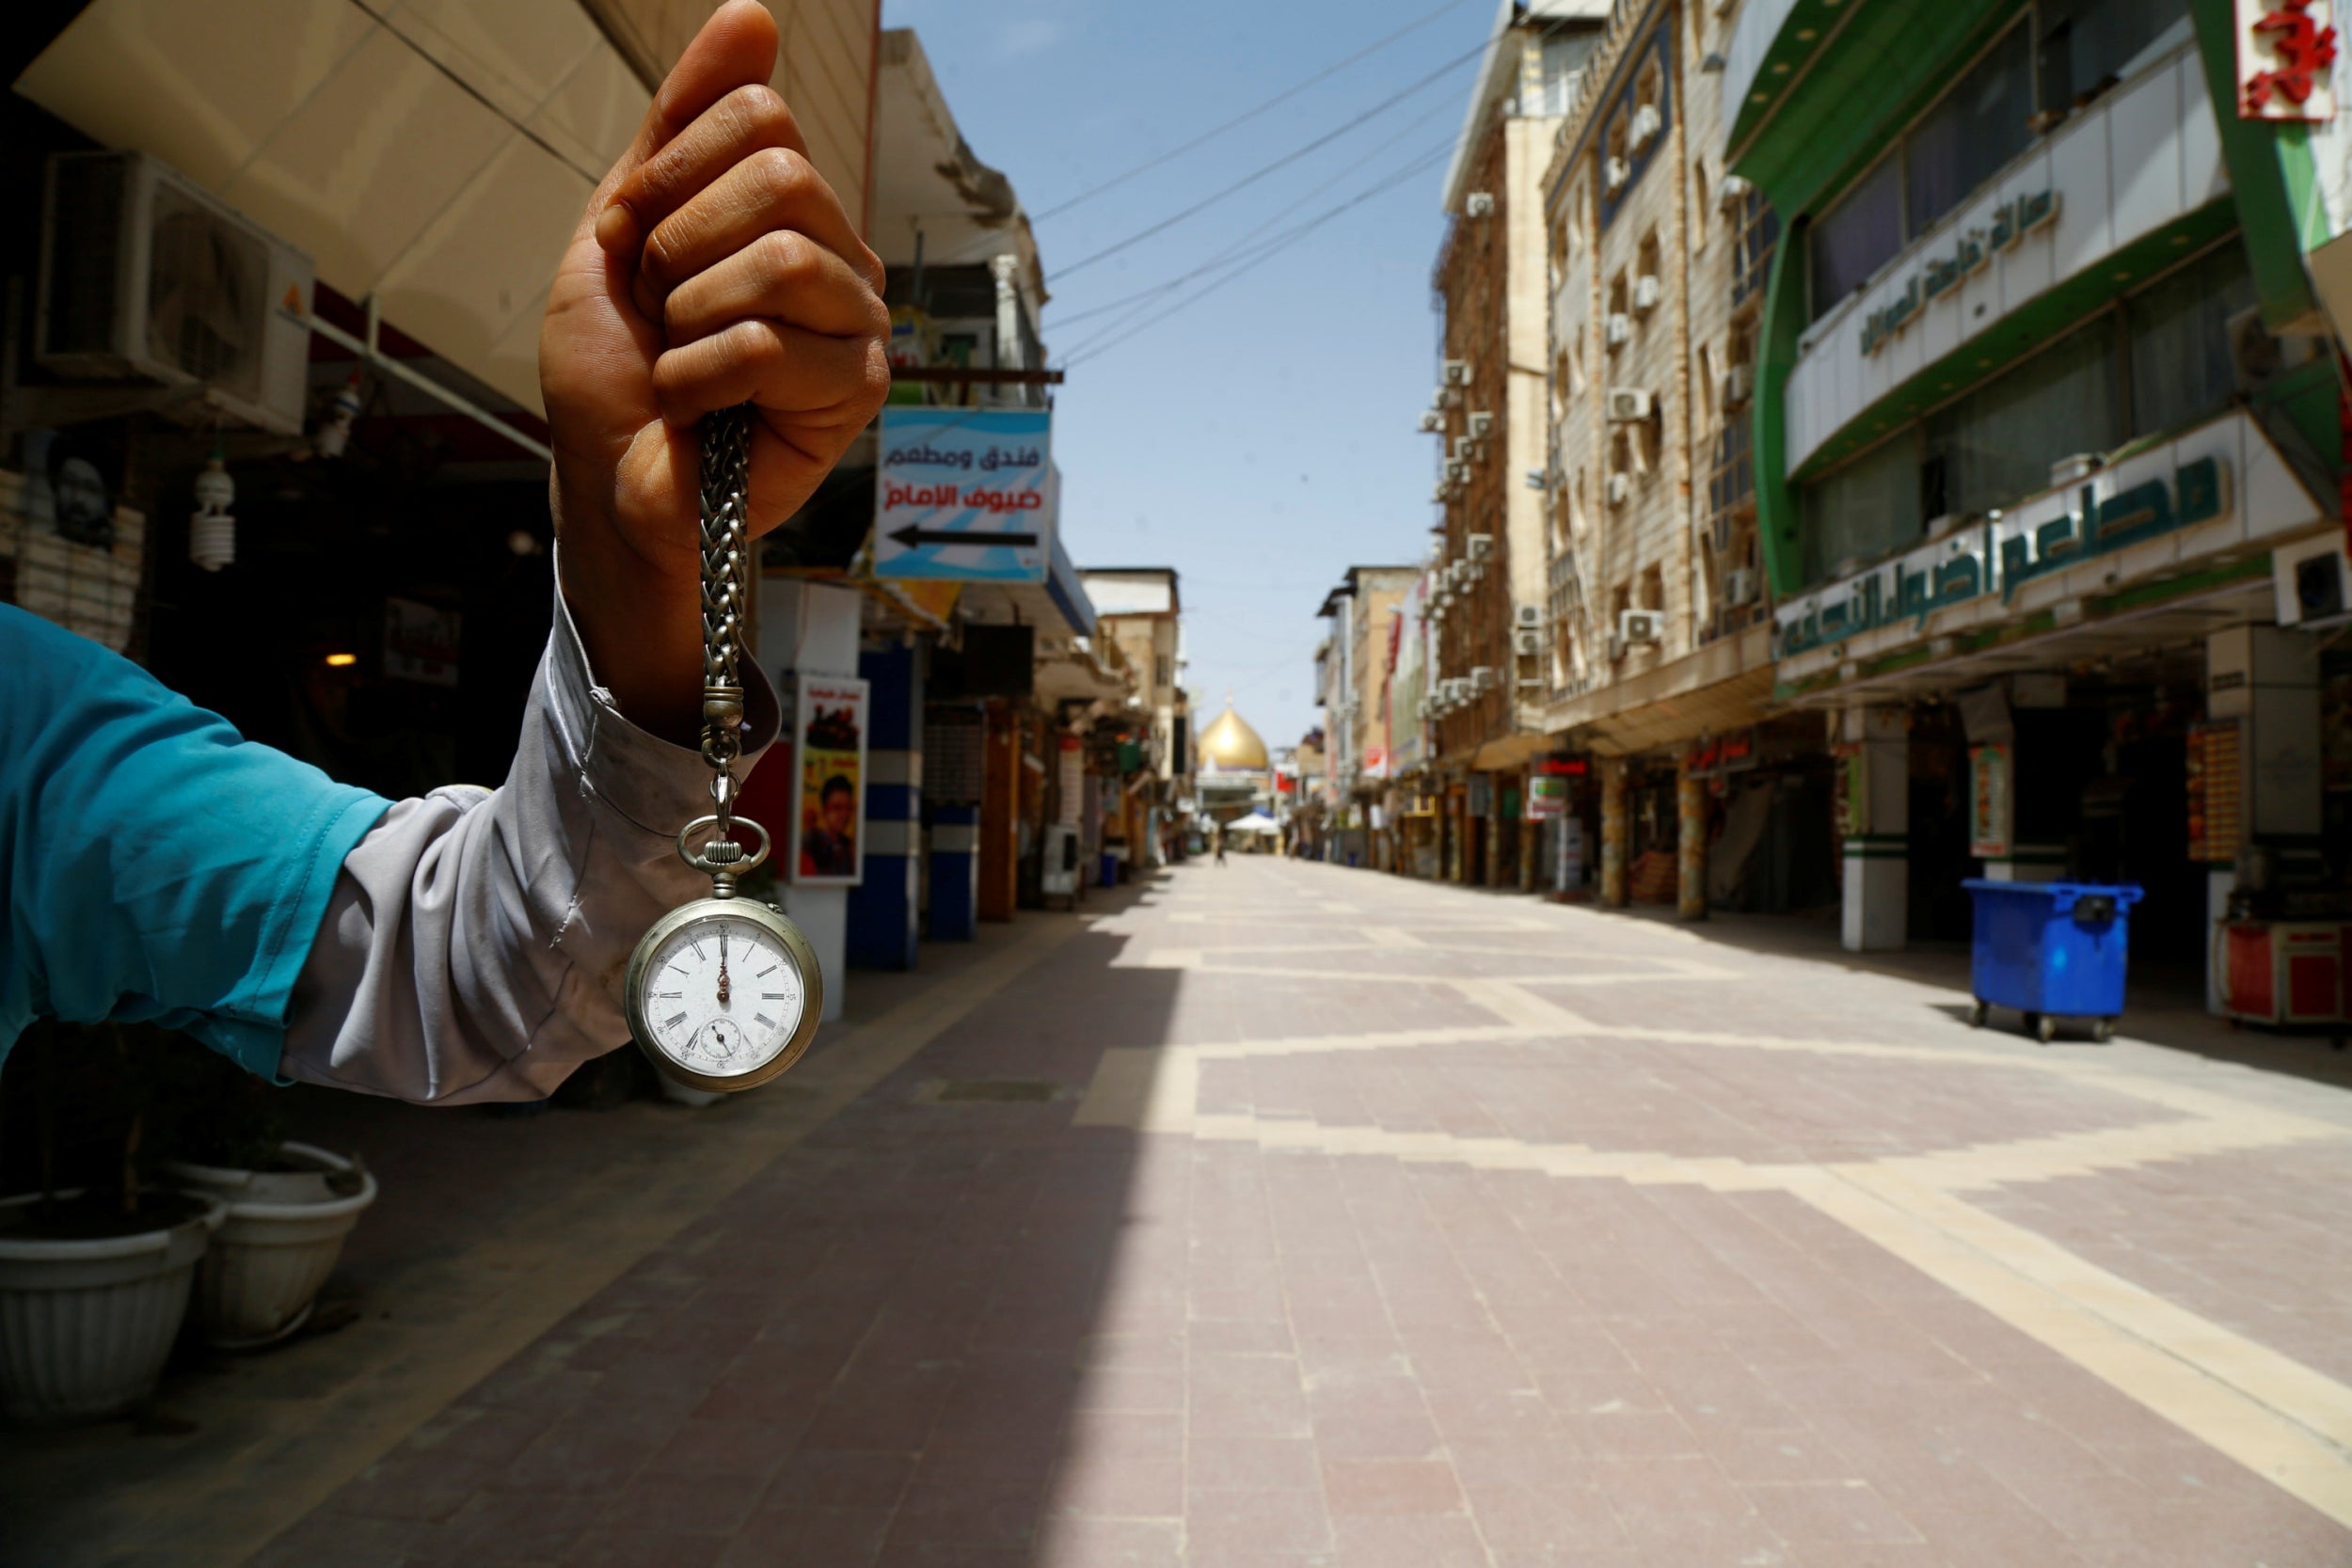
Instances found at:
x=1246 y=260
x=1101 y=343
x=1242 y=119
x=1284 y=162
x=1065 y=319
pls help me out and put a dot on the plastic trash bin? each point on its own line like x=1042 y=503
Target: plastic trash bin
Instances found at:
x=2051 y=950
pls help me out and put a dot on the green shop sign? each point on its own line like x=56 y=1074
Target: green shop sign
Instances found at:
x=2003 y=553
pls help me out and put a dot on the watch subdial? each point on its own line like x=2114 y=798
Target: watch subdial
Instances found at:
x=719 y=1043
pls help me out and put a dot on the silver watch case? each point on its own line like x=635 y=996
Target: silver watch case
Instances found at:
x=796 y=947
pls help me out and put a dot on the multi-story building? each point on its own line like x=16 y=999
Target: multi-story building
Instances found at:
x=2047 y=448
x=1355 y=668
x=1138 y=608
x=1655 y=647
x=1489 y=412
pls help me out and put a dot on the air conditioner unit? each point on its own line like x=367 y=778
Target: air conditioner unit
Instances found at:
x=145 y=274
x=1617 y=330
x=1528 y=616
x=1740 y=586
x=1738 y=383
x=1615 y=174
x=1482 y=424
x=1616 y=648
x=2313 y=583
x=1479 y=204
x=1457 y=472
x=1526 y=645
x=1440 y=495
x=1620 y=486
x=1479 y=545
x=1641 y=628
x=1629 y=404
x=1647 y=292
x=1733 y=190
x=1431 y=422
x=1457 y=372
x=1643 y=127
x=1482 y=679
x=1458 y=449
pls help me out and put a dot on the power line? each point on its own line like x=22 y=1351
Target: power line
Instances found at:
x=1284 y=162
x=1156 y=289
x=1282 y=96
x=1243 y=259
x=1096 y=346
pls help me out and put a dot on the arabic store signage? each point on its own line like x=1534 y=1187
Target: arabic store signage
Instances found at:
x=2002 y=555
x=964 y=494
x=1940 y=276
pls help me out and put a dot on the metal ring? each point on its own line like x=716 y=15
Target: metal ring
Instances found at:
x=725 y=788
x=695 y=856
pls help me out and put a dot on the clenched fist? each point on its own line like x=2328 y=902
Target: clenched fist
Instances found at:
x=713 y=266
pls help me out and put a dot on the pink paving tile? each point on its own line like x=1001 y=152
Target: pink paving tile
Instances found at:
x=1361 y=1488
x=1410 y=1542
x=1231 y=1524
x=1247 y=1396
x=1252 y=1465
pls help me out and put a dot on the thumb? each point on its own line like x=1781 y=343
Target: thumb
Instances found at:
x=735 y=48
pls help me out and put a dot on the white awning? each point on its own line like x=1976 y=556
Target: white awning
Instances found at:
x=431 y=153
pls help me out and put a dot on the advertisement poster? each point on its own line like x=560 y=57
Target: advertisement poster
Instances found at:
x=965 y=495
x=828 y=782
x=1546 y=797
x=1988 y=793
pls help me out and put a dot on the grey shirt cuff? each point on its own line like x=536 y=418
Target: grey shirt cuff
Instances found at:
x=474 y=946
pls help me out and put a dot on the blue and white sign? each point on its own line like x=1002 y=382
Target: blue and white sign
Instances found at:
x=965 y=495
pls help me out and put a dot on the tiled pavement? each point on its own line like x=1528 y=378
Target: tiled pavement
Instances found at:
x=1289 y=1215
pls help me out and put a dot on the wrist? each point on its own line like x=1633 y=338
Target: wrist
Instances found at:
x=639 y=617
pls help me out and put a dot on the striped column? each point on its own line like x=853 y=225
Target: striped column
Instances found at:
x=1876 y=917
x=955 y=885
x=885 y=906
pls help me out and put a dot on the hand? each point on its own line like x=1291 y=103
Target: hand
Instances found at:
x=713 y=266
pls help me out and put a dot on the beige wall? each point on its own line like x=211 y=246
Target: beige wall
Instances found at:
x=1651 y=551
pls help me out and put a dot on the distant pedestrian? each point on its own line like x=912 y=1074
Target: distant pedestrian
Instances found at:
x=1220 y=845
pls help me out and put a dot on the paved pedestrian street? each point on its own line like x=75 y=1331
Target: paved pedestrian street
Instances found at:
x=1282 y=1215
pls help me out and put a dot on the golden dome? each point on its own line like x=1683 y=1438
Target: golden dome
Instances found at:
x=1228 y=745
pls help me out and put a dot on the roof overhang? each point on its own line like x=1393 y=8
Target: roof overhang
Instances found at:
x=927 y=181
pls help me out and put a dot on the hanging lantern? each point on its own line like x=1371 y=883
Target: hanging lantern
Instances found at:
x=212 y=532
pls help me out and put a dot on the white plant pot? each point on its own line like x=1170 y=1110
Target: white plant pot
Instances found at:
x=84 y=1326
x=282 y=1237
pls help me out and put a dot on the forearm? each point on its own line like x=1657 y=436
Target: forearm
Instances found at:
x=476 y=940
x=639 y=617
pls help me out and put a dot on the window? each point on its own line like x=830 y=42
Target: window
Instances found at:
x=1859 y=235
x=1998 y=442
x=1646 y=256
x=1160 y=674
x=1706 y=383
x=1969 y=135
x=2157 y=360
x=1619 y=299
x=1653 y=587
x=2086 y=43
x=1865 y=510
x=1699 y=204
x=2180 y=340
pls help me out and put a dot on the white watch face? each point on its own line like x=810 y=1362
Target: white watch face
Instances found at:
x=721 y=996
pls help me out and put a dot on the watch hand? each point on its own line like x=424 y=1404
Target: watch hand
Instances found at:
x=723 y=966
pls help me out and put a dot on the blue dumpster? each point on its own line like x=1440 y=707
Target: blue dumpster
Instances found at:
x=2051 y=950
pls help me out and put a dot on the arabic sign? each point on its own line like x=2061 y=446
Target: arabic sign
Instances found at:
x=2003 y=554
x=1988 y=794
x=2285 y=50
x=1940 y=277
x=968 y=494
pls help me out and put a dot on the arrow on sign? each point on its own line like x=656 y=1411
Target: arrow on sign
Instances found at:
x=912 y=536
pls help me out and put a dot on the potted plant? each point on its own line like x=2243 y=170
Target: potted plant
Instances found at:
x=288 y=1206
x=96 y=1262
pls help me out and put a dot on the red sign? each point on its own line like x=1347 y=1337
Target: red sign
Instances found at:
x=2284 y=51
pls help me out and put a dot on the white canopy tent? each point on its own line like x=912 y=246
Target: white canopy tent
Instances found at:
x=1256 y=822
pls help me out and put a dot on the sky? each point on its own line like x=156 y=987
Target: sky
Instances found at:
x=1262 y=440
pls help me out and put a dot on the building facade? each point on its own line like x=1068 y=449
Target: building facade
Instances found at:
x=1355 y=665
x=2048 y=441
x=1489 y=412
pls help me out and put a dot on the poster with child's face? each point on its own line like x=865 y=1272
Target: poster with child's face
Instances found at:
x=829 y=782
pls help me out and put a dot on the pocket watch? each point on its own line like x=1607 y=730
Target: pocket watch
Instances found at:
x=724 y=993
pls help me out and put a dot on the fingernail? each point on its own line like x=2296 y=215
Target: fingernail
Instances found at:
x=616 y=226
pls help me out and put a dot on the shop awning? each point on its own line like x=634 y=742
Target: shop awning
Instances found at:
x=1723 y=686
x=436 y=157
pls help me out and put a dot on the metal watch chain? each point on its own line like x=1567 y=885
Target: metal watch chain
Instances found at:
x=726 y=603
